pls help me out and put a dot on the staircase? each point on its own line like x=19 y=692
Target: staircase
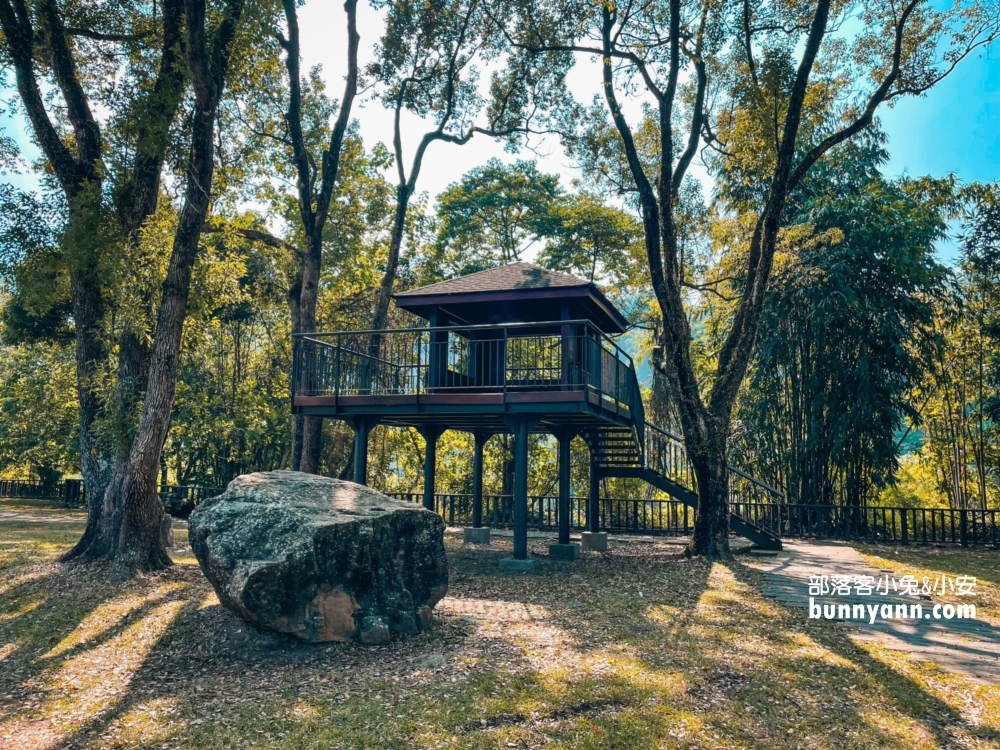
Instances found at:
x=645 y=451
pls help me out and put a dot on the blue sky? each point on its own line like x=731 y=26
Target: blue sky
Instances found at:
x=954 y=128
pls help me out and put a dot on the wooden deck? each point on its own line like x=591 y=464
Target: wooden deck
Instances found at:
x=473 y=411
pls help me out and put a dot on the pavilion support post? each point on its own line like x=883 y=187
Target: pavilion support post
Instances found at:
x=362 y=428
x=564 y=550
x=477 y=534
x=593 y=538
x=564 y=458
x=431 y=435
x=521 y=490
x=520 y=561
x=594 y=500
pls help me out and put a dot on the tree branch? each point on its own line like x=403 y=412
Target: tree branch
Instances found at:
x=293 y=118
x=331 y=157
x=85 y=128
x=735 y=352
x=217 y=226
x=103 y=37
x=16 y=25
x=883 y=93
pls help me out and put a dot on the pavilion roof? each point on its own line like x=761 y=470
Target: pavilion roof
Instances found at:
x=516 y=292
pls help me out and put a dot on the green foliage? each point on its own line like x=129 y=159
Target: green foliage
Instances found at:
x=862 y=349
x=493 y=215
x=501 y=213
x=231 y=411
x=958 y=399
x=845 y=333
x=38 y=412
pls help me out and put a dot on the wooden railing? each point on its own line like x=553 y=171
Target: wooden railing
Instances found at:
x=30 y=490
x=967 y=527
x=625 y=516
x=178 y=499
x=666 y=454
x=555 y=355
x=972 y=526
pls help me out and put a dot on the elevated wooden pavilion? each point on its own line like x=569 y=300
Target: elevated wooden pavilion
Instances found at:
x=517 y=349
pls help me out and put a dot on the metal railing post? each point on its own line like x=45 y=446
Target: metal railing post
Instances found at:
x=503 y=364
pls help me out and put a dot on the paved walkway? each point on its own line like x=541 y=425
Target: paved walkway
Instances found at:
x=968 y=647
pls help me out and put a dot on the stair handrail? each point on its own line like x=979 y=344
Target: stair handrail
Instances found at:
x=753 y=480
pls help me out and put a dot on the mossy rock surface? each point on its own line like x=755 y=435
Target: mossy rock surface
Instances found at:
x=319 y=558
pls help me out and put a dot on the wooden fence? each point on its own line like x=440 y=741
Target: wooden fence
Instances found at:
x=966 y=527
x=655 y=517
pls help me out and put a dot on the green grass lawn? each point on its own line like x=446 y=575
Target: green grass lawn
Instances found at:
x=40 y=508
x=639 y=648
x=932 y=562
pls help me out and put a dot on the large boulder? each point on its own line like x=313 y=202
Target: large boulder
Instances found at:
x=321 y=559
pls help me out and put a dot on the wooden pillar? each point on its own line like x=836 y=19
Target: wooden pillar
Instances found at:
x=521 y=490
x=593 y=500
x=431 y=435
x=477 y=479
x=566 y=353
x=437 y=363
x=564 y=438
x=362 y=426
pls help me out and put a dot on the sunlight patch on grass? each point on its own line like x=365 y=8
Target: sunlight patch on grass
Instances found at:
x=86 y=685
x=147 y=724
x=9 y=648
x=632 y=650
x=210 y=599
x=108 y=616
x=16 y=612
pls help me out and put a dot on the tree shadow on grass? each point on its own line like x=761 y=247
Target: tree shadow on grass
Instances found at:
x=254 y=683
x=859 y=667
x=638 y=648
x=36 y=614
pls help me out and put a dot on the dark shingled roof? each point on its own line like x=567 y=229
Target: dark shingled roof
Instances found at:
x=515 y=293
x=506 y=278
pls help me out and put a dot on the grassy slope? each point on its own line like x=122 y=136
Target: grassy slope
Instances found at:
x=640 y=648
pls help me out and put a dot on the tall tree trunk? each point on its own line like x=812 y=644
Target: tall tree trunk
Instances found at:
x=132 y=497
x=136 y=199
x=79 y=177
x=310 y=427
x=96 y=461
x=380 y=314
x=314 y=207
x=706 y=422
x=298 y=420
x=711 y=528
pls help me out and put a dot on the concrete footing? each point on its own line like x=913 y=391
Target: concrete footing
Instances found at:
x=564 y=551
x=594 y=541
x=475 y=536
x=513 y=565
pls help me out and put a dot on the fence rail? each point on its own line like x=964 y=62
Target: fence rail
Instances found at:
x=626 y=516
x=30 y=490
x=972 y=526
x=178 y=499
x=966 y=527
x=665 y=517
